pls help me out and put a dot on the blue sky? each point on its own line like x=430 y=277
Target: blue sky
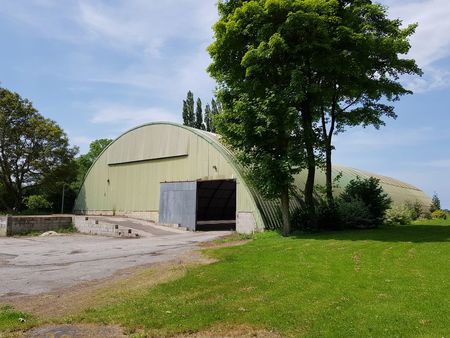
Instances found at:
x=99 y=68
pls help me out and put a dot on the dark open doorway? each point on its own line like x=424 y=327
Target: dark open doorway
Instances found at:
x=216 y=205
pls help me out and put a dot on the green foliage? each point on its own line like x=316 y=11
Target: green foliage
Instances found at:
x=417 y=209
x=399 y=215
x=188 y=110
x=435 y=203
x=33 y=150
x=199 y=115
x=439 y=214
x=216 y=108
x=208 y=118
x=37 y=203
x=353 y=212
x=196 y=119
x=285 y=66
x=367 y=192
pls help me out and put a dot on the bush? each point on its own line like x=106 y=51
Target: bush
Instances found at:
x=354 y=213
x=399 y=215
x=365 y=200
x=439 y=214
x=37 y=203
x=328 y=217
x=417 y=209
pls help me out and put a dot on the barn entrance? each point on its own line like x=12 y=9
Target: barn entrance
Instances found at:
x=216 y=205
x=199 y=205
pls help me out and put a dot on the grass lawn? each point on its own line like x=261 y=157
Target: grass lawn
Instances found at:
x=390 y=282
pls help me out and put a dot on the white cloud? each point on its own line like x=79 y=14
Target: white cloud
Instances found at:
x=360 y=139
x=431 y=42
x=129 y=116
x=81 y=140
x=433 y=79
x=147 y=25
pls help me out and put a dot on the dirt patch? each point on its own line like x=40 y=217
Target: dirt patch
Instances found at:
x=123 y=284
x=241 y=331
x=226 y=241
x=76 y=331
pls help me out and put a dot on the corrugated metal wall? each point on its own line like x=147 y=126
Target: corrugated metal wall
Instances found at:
x=178 y=204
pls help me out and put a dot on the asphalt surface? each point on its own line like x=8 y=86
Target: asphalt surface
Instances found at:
x=35 y=265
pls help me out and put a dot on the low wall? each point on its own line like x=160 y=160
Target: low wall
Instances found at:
x=87 y=225
x=19 y=225
x=3 y=226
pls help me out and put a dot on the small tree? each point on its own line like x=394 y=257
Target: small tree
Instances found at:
x=435 y=203
x=199 y=115
x=188 y=110
x=367 y=192
x=208 y=124
x=185 y=113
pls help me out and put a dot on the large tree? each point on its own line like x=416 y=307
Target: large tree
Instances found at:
x=267 y=61
x=362 y=71
x=31 y=148
x=315 y=59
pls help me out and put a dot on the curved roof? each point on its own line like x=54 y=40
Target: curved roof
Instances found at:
x=268 y=211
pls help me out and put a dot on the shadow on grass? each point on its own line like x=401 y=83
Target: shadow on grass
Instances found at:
x=407 y=233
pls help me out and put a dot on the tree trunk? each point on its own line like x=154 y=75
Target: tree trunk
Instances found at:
x=329 y=173
x=310 y=165
x=285 y=212
x=327 y=135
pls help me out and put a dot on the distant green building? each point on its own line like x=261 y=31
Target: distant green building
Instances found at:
x=173 y=174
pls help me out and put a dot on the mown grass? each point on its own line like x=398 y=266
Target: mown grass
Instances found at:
x=389 y=282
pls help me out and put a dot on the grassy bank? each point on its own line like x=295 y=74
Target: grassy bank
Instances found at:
x=391 y=282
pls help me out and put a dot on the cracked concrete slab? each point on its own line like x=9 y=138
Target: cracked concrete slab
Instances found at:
x=35 y=265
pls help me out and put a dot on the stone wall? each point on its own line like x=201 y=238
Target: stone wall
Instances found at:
x=94 y=226
x=25 y=224
x=91 y=226
x=19 y=225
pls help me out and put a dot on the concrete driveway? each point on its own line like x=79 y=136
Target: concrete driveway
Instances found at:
x=34 y=265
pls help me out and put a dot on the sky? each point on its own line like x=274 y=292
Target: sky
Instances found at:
x=99 y=68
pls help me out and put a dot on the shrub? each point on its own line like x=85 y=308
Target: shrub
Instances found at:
x=328 y=217
x=354 y=213
x=368 y=195
x=37 y=203
x=417 y=209
x=439 y=214
x=399 y=215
